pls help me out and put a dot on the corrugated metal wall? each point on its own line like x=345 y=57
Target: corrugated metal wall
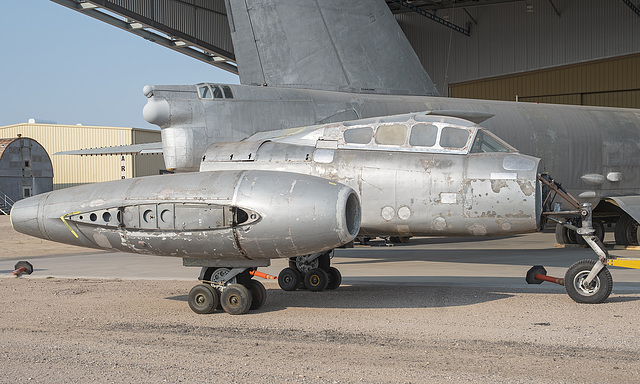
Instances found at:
x=508 y=39
x=203 y=22
x=69 y=170
x=608 y=83
x=151 y=164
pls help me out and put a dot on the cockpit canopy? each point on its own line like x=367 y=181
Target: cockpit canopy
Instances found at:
x=409 y=132
x=214 y=91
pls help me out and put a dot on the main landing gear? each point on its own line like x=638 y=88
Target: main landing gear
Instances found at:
x=312 y=272
x=230 y=289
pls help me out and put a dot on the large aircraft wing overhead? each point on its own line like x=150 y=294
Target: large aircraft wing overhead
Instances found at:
x=135 y=149
x=337 y=45
x=629 y=204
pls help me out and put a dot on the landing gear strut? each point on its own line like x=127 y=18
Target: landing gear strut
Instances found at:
x=313 y=272
x=231 y=289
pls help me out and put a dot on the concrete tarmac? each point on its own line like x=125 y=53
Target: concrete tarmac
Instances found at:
x=434 y=261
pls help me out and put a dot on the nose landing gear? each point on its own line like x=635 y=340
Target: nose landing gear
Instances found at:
x=586 y=281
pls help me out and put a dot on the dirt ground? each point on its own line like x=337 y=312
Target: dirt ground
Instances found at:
x=56 y=330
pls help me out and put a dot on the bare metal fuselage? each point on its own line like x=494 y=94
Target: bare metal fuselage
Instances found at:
x=301 y=191
x=571 y=141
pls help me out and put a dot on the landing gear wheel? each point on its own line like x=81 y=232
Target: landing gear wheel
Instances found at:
x=598 y=226
x=203 y=299
x=568 y=236
x=596 y=292
x=323 y=262
x=258 y=294
x=288 y=279
x=316 y=280
x=562 y=235
x=335 y=278
x=236 y=299
x=626 y=232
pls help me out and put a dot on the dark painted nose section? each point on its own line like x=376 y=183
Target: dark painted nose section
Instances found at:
x=26 y=216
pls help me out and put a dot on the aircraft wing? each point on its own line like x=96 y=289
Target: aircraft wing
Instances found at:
x=629 y=204
x=134 y=149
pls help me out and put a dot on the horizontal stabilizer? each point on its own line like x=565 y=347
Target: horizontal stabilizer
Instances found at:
x=134 y=149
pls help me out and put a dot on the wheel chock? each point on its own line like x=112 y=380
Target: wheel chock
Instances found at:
x=537 y=274
x=22 y=267
x=263 y=275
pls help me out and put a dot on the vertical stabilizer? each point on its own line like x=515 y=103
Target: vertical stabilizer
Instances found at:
x=337 y=45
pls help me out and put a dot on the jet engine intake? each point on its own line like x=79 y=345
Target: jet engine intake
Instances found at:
x=224 y=215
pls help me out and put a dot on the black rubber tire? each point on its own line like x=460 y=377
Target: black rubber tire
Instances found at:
x=236 y=299
x=316 y=280
x=626 y=232
x=567 y=236
x=400 y=239
x=288 y=279
x=203 y=299
x=324 y=261
x=561 y=235
x=597 y=225
x=258 y=294
x=335 y=278
x=601 y=285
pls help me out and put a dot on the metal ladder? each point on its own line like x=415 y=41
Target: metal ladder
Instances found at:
x=5 y=203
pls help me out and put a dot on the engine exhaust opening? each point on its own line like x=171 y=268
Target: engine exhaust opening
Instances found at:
x=352 y=214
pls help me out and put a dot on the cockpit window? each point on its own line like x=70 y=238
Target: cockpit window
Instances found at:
x=217 y=93
x=423 y=135
x=205 y=92
x=358 y=135
x=485 y=143
x=452 y=137
x=391 y=134
x=227 y=92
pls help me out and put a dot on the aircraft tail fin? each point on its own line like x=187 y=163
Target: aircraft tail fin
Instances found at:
x=337 y=45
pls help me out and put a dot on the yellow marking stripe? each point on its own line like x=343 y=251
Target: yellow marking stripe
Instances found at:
x=625 y=263
x=67 y=224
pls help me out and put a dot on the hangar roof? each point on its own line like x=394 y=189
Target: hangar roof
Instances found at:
x=201 y=30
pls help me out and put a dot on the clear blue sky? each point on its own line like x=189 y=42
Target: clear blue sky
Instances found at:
x=57 y=64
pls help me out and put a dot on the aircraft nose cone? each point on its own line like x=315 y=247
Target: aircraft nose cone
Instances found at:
x=25 y=216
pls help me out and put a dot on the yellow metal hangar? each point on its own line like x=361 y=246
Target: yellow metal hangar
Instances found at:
x=70 y=170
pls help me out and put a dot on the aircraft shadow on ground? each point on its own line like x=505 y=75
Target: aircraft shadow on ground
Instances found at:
x=387 y=296
x=556 y=257
x=377 y=297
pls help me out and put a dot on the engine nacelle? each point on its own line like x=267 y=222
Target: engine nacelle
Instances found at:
x=226 y=215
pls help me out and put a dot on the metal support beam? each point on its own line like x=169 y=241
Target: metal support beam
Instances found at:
x=142 y=28
x=554 y=7
x=632 y=6
x=471 y=17
x=433 y=17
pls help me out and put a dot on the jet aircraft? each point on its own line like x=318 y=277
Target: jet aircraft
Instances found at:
x=326 y=140
x=298 y=194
